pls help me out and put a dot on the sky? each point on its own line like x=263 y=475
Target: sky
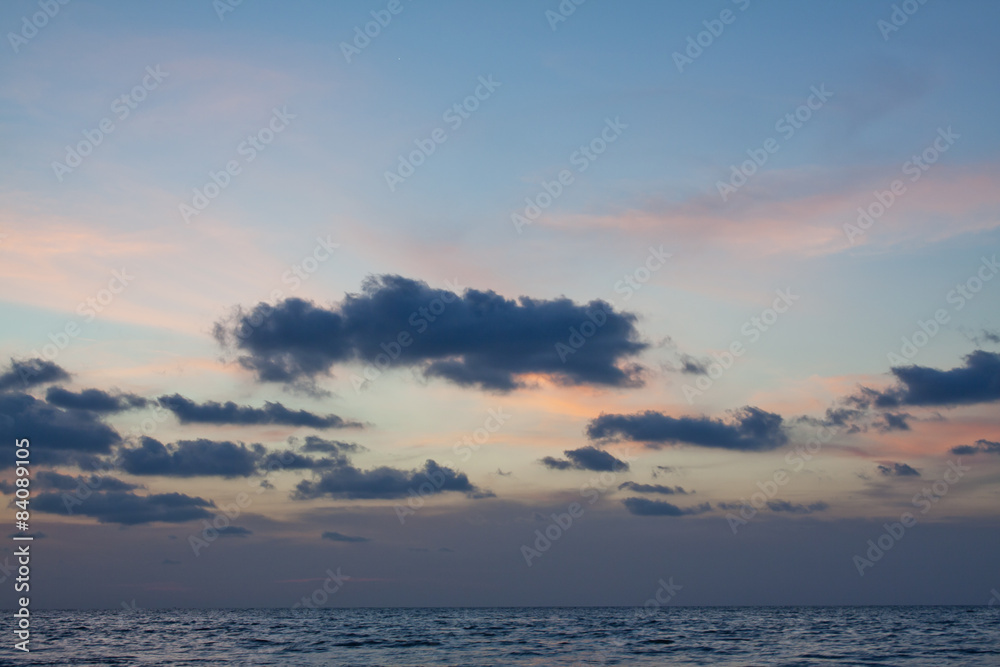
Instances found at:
x=526 y=303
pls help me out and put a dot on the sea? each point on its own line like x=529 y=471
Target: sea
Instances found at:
x=800 y=636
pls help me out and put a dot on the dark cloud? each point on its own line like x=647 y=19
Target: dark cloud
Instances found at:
x=234 y=531
x=751 y=429
x=978 y=381
x=652 y=488
x=212 y=412
x=889 y=421
x=94 y=400
x=981 y=447
x=347 y=481
x=898 y=470
x=647 y=507
x=988 y=337
x=31 y=373
x=57 y=436
x=692 y=366
x=796 y=508
x=557 y=464
x=477 y=338
x=189 y=458
x=50 y=480
x=586 y=458
x=126 y=508
x=340 y=537
x=314 y=443
x=289 y=460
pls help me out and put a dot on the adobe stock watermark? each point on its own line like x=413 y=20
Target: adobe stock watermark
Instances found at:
x=454 y=116
x=248 y=149
x=630 y=283
x=796 y=459
x=958 y=297
x=363 y=35
x=30 y=25
x=915 y=168
x=122 y=107
x=591 y=491
x=664 y=595
x=319 y=597
x=419 y=321
x=786 y=126
x=696 y=44
x=463 y=449
x=294 y=276
x=88 y=310
x=223 y=519
x=924 y=501
x=562 y=12
x=223 y=7
x=899 y=17
x=580 y=160
x=751 y=330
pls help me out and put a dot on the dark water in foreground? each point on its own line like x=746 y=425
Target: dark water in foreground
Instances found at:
x=510 y=636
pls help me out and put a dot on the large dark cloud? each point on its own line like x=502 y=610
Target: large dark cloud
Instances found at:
x=751 y=429
x=652 y=488
x=476 y=338
x=212 y=412
x=647 y=507
x=189 y=458
x=94 y=400
x=57 y=436
x=978 y=381
x=347 y=481
x=586 y=458
x=126 y=508
x=31 y=373
x=981 y=447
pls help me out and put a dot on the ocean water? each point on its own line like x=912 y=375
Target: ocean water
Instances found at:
x=930 y=636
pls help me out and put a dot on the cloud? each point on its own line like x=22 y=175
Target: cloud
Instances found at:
x=58 y=436
x=289 y=460
x=586 y=458
x=126 y=508
x=978 y=381
x=212 y=412
x=49 y=480
x=347 y=481
x=340 y=537
x=751 y=429
x=796 y=508
x=692 y=366
x=478 y=338
x=892 y=422
x=33 y=372
x=314 y=443
x=898 y=470
x=646 y=507
x=189 y=458
x=94 y=400
x=988 y=337
x=652 y=488
x=981 y=446
x=234 y=531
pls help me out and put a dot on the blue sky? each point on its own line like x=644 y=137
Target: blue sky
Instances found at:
x=311 y=218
